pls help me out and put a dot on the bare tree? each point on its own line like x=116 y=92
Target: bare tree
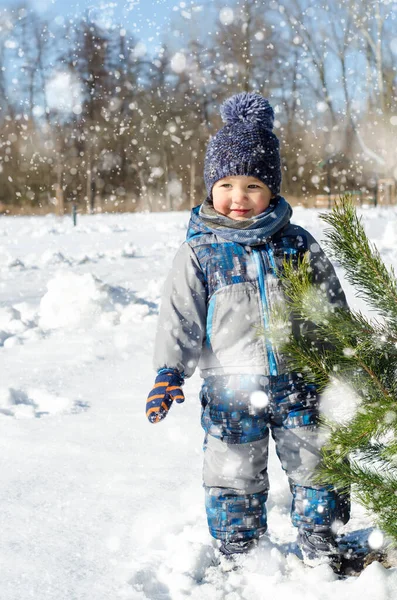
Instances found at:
x=369 y=18
x=138 y=132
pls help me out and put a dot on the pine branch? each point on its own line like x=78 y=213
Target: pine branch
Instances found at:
x=339 y=328
x=302 y=357
x=335 y=344
x=364 y=267
x=359 y=469
x=374 y=486
x=359 y=433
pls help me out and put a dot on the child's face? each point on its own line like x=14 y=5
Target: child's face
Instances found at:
x=239 y=197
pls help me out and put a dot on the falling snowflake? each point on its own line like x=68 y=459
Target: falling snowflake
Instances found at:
x=226 y=16
x=178 y=62
x=259 y=399
x=376 y=539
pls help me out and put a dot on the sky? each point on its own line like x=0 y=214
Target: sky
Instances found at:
x=146 y=18
x=153 y=23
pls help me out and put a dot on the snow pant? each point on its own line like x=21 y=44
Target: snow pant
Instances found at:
x=237 y=413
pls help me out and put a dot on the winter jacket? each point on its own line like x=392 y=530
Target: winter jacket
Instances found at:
x=221 y=290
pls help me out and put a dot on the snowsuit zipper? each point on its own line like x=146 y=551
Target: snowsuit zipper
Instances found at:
x=261 y=269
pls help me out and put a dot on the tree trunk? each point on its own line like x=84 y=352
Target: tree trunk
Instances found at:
x=59 y=188
x=247 y=11
x=145 y=192
x=90 y=187
x=379 y=57
x=167 y=195
x=193 y=179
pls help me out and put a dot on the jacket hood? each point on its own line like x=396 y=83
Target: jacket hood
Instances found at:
x=252 y=232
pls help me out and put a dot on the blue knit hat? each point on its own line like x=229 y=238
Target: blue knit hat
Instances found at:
x=246 y=145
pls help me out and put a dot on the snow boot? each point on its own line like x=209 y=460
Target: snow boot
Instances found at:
x=319 y=548
x=230 y=549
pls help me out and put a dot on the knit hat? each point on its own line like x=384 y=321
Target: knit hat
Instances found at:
x=246 y=145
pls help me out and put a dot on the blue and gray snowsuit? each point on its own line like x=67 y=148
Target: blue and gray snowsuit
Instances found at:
x=217 y=299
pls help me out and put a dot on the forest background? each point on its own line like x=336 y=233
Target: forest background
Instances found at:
x=96 y=114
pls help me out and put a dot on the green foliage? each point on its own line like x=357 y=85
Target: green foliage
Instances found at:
x=361 y=260
x=344 y=346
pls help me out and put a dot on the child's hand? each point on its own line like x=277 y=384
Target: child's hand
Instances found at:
x=167 y=388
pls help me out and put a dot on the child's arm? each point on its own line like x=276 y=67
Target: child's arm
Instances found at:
x=324 y=274
x=181 y=325
x=180 y=332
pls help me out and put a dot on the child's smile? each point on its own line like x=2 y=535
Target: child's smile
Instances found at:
x=240 y=197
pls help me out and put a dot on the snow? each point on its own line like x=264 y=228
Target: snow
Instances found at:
x=259 y=399
x=63 y=92
x=339 y=402
x=226 y=16
x=178 y=62
x=97 y=503
x=376 y=539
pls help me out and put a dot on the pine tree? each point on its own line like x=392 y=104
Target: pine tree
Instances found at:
x=347 y=348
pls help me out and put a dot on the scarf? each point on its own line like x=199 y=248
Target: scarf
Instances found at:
x=253 y=231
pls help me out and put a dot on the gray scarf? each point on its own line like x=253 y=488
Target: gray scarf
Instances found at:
x=252 y=232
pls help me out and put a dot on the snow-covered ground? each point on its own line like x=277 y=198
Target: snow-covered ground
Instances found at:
x=96 y=503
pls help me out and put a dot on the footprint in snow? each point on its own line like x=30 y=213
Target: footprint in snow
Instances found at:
x=36 y=403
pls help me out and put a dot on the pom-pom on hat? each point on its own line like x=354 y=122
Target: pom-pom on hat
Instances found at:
x=246 y=145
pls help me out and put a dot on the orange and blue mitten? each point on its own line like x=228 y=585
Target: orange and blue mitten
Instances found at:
x=166 y=389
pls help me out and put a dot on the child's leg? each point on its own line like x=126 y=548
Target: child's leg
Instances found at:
x=298 y=442
x=235 y=459
x=319 y=508
x=314 y=507
x=236 y=487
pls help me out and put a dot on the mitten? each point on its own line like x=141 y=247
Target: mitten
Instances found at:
x=167 y=387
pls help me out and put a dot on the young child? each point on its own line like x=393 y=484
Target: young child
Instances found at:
x=222 y=288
